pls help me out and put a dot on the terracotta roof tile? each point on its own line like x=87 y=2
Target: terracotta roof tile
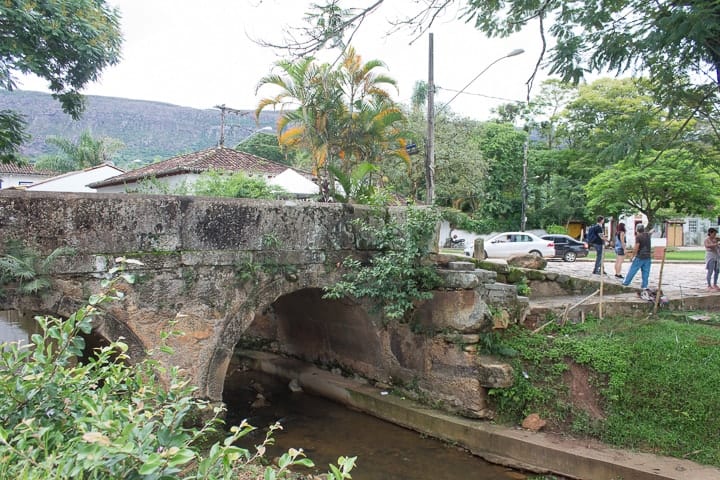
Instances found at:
x=23 y=169
x=216 y=158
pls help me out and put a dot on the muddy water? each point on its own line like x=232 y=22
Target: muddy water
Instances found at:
x=326 y=430
x=14 y=326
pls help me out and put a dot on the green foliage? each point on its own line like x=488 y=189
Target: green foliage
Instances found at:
x=12 y=135
x=86 y=152
x=25 y=269
x=643 y=184
x=68 y=43
x=105 y=418
x=396 y=276
x=263 y=145
x=675 y=44
x=358 y=186
x=460 y=220
x=556 y=230
x=656 y=381
x=345 y=116
x=215 y=183
x=502 y=146
x=523 y=289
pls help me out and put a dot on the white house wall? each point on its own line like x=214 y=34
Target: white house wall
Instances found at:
x=8 y=180
x=76 y=181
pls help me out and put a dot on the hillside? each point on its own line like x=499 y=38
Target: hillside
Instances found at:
x=149 y=130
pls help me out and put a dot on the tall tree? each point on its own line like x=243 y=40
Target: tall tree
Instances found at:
x=264 y=145
x=675 y=184
x=502 y=146
x=66 y=42
x=343 y=116
x=86 y=152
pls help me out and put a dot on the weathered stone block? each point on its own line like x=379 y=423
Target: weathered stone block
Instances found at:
x=493 y=373
x=461 y=310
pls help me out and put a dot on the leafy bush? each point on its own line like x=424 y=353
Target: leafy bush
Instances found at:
x=26 y=269
x=103 y=418
x=395 y=277
x=237 y=185
x=556 y=230
x=462 y=221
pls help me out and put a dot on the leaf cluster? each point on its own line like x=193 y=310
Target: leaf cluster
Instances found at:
x=396 y=276
x=25 y=269
x=216 y=183
x=66 y=42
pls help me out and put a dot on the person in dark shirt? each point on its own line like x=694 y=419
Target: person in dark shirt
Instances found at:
x=642 y=258
x=596 y=238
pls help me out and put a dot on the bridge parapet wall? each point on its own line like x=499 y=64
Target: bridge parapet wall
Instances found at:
x=121 y=224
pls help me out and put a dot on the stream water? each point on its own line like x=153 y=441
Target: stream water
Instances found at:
x=323 y=429
x=326 y=430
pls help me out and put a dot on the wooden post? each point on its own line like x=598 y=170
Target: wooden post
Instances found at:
x=658 y=294
x=602 y=282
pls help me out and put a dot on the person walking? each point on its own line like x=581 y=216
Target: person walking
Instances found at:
x=596 y=238
x=619 y=250
x=711 y=259
x=642 y=258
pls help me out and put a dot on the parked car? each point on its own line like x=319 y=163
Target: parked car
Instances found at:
x=567 y=247
x=511 y=243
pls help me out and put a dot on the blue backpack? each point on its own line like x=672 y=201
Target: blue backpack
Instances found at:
x=592 y=237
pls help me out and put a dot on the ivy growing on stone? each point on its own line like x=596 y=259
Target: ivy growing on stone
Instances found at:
x=398 y=275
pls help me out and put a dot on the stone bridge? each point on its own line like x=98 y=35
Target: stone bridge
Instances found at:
x=232 y=273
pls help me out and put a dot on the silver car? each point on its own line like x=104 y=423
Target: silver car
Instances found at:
x=507 y=244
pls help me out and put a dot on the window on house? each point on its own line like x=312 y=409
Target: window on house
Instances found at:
x=693 y=225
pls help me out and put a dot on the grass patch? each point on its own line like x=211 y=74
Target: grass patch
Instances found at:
x=655 y=381
x=676 y=256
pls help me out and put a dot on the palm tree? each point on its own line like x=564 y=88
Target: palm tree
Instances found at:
x=86 y=152
x=342 y=116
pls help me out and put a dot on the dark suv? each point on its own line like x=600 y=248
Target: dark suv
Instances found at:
x=567 y=247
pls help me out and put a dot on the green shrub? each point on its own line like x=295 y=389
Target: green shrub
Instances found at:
x=25 y=269
x=104 y=418
x=238 y=185
x=396 y=276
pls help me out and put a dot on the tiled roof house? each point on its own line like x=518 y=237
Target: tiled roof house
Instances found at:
x=12 y=175
x=185 y=169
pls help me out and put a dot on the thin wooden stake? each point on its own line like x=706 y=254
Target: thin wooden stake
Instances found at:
x=658 y=294
x=602 y=282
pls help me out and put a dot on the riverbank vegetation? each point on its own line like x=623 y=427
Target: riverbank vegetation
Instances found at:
x=67 y=415
x=644 y=384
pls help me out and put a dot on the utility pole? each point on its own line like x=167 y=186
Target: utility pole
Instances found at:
x=430 y=146
x=524 y=185
x=224 y=109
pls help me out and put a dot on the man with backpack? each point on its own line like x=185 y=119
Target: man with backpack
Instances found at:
x=596 y=239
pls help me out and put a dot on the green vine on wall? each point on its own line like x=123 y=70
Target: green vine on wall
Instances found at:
x=397 y=276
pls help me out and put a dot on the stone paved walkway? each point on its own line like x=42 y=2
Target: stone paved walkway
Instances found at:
x=678 y=279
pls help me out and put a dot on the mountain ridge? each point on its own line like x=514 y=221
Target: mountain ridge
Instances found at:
x=150 y=130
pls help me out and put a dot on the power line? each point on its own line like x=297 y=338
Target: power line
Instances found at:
x=480 y=95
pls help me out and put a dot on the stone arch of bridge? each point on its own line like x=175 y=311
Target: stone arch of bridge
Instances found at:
x=245 y=311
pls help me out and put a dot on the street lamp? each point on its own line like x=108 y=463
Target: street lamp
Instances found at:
x=514 y=53
x=430 y=153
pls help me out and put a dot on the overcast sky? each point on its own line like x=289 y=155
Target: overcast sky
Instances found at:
x=200 y=54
